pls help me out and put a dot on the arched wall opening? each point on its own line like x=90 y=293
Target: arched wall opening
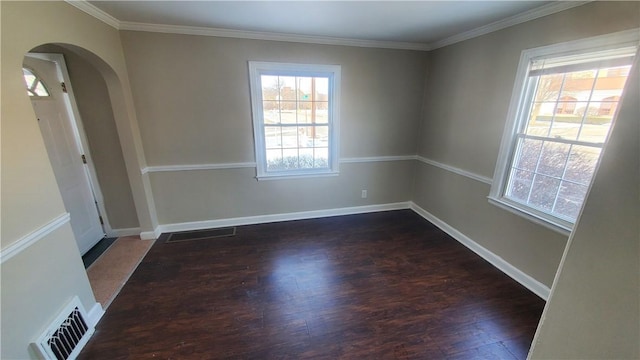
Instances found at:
x=127 y=192
x=103 y=149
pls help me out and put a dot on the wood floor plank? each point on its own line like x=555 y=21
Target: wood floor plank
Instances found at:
x=386 y=285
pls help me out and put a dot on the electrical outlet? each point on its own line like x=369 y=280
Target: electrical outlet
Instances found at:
x=364 y=194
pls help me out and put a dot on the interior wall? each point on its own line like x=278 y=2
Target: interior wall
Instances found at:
x=41 y=267
x=594 y=308
x=193 y=103
x=463 y=123
x=96 y=113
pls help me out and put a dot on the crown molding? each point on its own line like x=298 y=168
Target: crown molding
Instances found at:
x=254 y=35
x=532 y=14
x=95 y=12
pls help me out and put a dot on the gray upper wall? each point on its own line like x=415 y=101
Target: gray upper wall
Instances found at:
x=193 y=102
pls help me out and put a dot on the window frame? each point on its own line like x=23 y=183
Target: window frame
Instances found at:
x=521 y=100
x=333 y=73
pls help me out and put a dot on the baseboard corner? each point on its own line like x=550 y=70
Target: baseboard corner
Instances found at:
x=513 y=272
x=95 y=314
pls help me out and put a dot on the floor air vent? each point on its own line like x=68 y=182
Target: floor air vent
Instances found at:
x=201 y=234
x=67 y=335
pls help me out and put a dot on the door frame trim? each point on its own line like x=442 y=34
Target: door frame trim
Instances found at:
x=80 y=136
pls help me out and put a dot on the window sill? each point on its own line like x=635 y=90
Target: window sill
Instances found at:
x=531 y=215
x=288 y=176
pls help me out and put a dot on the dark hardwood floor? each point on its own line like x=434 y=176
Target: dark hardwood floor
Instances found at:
x=385 y=285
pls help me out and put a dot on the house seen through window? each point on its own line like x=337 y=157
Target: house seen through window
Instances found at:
x=566 y=108
x=295 y=117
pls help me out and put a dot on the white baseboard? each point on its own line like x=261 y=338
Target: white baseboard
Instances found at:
x=95 y=314
x=150 y=235
x=261 y=219
x=124 y=232
x=527 y=281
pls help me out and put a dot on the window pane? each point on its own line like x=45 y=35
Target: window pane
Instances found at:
x=578 y=84
x=294 y=118
x=274 y=160
x=548 y=87
x=305 y=85
x=321 y=136
x=306 y=158
x=540 y=118
x=288 y=112
x=321 y=157
x=305 y=136
x=520 y=185
x=29 y=79
x=290 y=158
x=528 y=153
x=553 y=159
x=270 y=87
x=290 y=137
x=322 y=89
x=569 y=113
x=305 y=114
x=288 y=89
x=40 y=90
x=273 y=137
x=271 y=112
x=321 y=112
x=543 y=193
x=570 y=199
x=582 y=164
x=565 y=127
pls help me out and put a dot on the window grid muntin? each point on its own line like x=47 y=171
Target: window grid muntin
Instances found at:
x=326 y=143
x=297 y=124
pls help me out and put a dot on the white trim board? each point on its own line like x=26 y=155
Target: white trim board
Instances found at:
x=263 y=219
x=270 y=36
x=125 y=232
x=95 y=314
x=188 y=167
x=92 y=10
x=532 y=14
x=544 y=10
x=516 y=274
x=241 y=165
x=377 y=159
x=33 y=237
x=455 y=170
x=527 y=281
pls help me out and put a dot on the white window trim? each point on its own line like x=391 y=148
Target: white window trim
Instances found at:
x=333 y=72
x=518 y=101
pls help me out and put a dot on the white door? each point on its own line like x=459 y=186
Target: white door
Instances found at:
x=60 y=138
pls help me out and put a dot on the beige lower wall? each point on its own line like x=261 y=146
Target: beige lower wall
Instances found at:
x=230 y=193
x=36 y=284
x=462 y=203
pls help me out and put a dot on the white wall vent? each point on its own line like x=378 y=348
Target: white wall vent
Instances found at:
x=66 y=335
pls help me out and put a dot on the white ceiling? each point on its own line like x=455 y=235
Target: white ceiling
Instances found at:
x=419 y=23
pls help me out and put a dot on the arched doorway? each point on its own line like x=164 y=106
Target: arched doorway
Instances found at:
x=53 y=106
x=87 y=129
